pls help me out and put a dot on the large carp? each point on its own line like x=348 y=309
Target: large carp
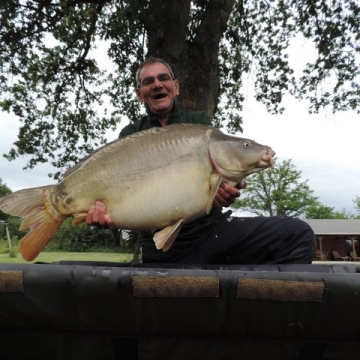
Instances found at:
x=155 y=179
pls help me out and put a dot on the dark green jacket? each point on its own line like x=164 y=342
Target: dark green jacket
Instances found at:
x=178 y=116
x=200 y=226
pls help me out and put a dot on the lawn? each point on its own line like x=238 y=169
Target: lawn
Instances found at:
x=49 y=257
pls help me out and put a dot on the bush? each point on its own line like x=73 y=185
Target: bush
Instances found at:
x=89 y=239
x=4 y=247
x=13 y=252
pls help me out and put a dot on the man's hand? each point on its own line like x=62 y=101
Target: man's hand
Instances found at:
x=97 y=216
x=227 y=194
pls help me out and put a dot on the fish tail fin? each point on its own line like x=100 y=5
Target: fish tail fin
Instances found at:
x=38 y=215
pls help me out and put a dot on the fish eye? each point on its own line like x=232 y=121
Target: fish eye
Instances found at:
x=246 y=144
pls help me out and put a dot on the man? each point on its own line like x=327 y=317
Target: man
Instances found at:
x=216 y=238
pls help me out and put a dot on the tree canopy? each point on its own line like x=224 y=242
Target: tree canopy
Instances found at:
x=54 y=80
x=4 y=190
x=357 y=203
x=320 y=211
x=277 y=191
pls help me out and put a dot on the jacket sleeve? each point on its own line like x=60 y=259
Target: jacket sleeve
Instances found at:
x=127 y=130
x=205 y=119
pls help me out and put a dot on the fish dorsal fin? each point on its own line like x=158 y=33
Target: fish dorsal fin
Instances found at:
x=215 y=181
x=164 y=238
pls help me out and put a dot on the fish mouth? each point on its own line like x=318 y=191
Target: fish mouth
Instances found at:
x=268 y=157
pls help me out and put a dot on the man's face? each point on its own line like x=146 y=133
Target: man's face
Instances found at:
x=157 y=89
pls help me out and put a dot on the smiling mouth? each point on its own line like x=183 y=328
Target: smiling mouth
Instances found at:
x=159 y=96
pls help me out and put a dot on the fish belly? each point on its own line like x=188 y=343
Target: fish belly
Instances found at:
x=145 y=183
x=162 y=197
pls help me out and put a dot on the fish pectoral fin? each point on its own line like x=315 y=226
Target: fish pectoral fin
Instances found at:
x=215 y=181
x=164 y=238
x=79 y=218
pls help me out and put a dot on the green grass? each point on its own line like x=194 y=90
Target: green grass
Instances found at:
x=49 y=257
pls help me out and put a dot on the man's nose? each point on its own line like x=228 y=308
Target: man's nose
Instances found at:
x=157 y=83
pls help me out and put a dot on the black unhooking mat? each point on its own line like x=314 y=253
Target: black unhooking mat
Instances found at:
x=108 y=311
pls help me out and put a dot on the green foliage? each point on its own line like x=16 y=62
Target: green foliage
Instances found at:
x=13 y=253
x=5 y=249
x=357 y=203
x=343 y=214
x=319 y=211
x=13 y=224
x=67 y=98
x=88 y=238
x=4 y=246
x=6 y=221
x=4 y=190
x=277 y=191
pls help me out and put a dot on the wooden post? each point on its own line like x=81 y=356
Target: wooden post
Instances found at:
x=353 y=238
x=320 y=242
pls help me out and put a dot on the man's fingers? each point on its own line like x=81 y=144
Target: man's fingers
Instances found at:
x=241 y=185
x=96 y=214
x=108 y=221
x=100 y=206
x=228 y=192
x=89 y=218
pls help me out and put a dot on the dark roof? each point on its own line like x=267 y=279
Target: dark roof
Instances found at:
x=334 y=226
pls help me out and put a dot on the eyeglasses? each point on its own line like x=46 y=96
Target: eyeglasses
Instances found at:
x=151 y=79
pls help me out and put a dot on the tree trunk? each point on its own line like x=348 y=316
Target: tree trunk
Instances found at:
x=194 y=60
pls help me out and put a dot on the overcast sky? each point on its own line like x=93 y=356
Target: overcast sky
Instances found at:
x=324 y=147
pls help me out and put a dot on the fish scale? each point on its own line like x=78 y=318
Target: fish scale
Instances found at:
x=158 y=179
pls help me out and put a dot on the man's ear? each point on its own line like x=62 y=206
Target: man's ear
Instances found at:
x=177 y=87
x=139 y=95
